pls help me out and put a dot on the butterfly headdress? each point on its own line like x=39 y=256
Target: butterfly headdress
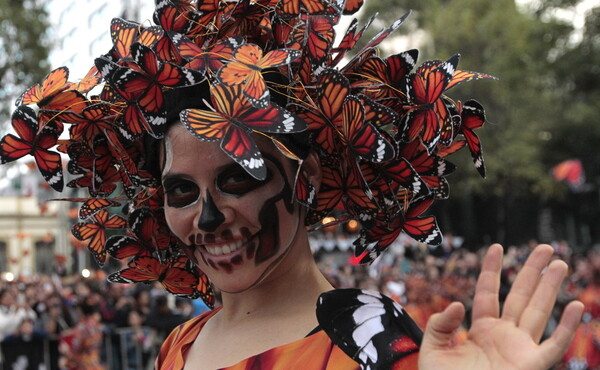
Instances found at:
x=382 y=127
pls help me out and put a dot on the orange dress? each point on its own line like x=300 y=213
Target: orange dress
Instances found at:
x=315 y=351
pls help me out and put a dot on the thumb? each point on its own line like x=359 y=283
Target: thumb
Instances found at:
x=441 y=327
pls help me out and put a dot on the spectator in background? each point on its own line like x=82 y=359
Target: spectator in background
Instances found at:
x=163 y=319
x=82 y=344
x=13 y=310
x=24 y=349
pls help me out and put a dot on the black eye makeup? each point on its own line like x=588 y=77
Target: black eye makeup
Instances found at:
x=235 y=180
x=180 y=192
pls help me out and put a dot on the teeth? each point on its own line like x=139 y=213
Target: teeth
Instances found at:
x=225 y=248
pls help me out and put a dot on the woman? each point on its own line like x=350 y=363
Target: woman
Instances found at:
x=230 y=126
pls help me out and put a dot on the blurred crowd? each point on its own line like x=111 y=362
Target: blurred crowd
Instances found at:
x=71 y=322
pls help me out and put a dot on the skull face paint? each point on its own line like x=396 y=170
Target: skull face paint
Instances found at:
x=237 y=228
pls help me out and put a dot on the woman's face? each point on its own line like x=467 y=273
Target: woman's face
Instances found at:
x=236 y=228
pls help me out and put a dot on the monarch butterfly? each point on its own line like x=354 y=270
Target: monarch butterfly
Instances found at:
x=430 y=167
x=92 y=121
x=424 y=90
x=88 y=82
x=343 y=185
x=386 y=76
x=124 y=33
x=327 y=116
x=34 y=141
x=41 y=94
x=246 y=66
x=247 y=18
x=373 y=240
x=233 y=121
x=369 y=48
x=96 y=231
x=171 y=274
x=360 y=137
x=143 y=89
x=371 y=328
x=290 y=8
x=54 y=94
x=93 y=205
x=147 y=234
x=207 y=59
x=472 y=117
x=315 y=34
x=350 y=39
x=173 y=18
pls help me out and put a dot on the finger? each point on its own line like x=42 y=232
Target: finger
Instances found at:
x=553 y=348
x=534 y=317
x=526 y=282
x=485 y=302
x=441 y=326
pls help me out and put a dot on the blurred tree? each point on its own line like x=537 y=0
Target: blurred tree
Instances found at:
x=24 y=49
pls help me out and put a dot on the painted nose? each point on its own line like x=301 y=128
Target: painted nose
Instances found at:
x=210 y=218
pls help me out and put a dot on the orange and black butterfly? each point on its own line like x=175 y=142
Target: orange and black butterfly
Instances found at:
x=291 y=8
x=96 y=231
x=93 y=205
x=234 y=120
x=124 y=33
x=88 y=82
x=325 y=116
x=172 y=274
x=92 y=121
x=472 y=116
x=54 y=93
x=148 y=233
x=175 y=22
x=360 y=137
x=352 y=6
x=430 y=167
x=144 y=87
x=247 y=18
x=383 y=231
x=429 y=113
x=349 y=40
x=383 y=78
x=36 y=142
x=172 y=18
x=369 y=49
x=342 y=187
x=246 y=69
x=315 y=35
x=208 y=59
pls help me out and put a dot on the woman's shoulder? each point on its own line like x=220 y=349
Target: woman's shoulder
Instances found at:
x=180 y=339
x=368 y=326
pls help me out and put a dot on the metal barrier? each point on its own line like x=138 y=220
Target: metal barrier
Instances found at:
x=123 y=348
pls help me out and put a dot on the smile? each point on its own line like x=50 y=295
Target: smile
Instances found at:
x=226 y=248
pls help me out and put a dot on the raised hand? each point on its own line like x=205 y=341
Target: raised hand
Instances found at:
x=510 y=340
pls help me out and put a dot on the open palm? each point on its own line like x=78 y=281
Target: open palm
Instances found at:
x=510 y=340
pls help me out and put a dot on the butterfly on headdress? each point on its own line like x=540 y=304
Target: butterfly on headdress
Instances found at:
x=232 y=123
x=147 y=233
x=381 y=230
x=174 y=274
x=142 y=88
x=55 y=93
x=125 y=33
x=36 y=141
x=95 y=230
x=246 y=69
